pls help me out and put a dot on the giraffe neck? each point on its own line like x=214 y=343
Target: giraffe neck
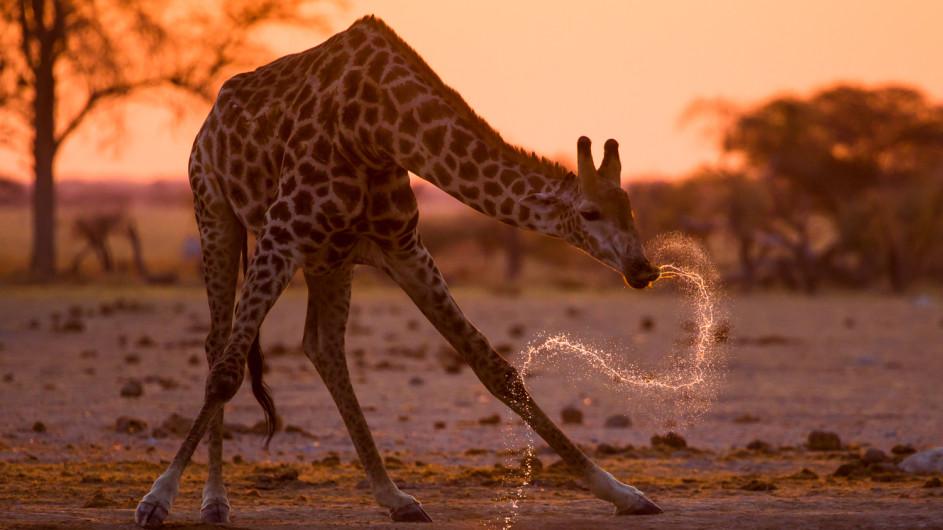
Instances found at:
x=428 y=128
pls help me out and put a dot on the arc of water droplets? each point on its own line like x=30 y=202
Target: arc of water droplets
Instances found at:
x=702 y=344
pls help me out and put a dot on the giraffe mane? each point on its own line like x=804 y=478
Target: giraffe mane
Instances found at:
x=529 y=159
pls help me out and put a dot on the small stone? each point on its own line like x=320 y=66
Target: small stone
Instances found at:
x=132 y=388
x=759 y=445
x=129 y=425
x=416 y=381
x=193 y=360
x=670 y=439
x=647 y=323
x=494 y=419
x=928 y=461
x=618 y=421
x=746 y=418
x=933 y=483
x=516 y=331
x=39 y=427
x=132 y=358
x=823 y=441
x=8 y=378
x=145 y=341
x=73 y=325
x=903 y=450
x=873 y=456
x=571 y=415
x=439 y=425
x=532 y=464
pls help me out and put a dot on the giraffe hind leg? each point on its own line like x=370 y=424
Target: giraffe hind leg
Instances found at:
x=325 y=324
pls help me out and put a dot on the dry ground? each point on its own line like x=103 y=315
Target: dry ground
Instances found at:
x=865 y=367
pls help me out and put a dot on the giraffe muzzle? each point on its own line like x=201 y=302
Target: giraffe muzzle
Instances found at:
x=641 y=274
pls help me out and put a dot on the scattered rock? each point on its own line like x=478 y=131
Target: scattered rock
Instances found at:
x=928 y=461
x=759 y=445
x=39 y=427
x=132 y=388
x=516 y=331
x=618 y=421
x=670 y=439
x=132 y=358
x=72 y=325
x=494 y=419
x=903 y=450
x=873 y=456
x=759 y=485
x=531 y=463
x=722 y=332
x=194 y=360
x=8 y=378
x=852 y=469
x=416 y=381
x=934 y=482
x=145 y=341
x=823 y=441
x=647 y=323
x=130 y=425
x=746 y=418
x=439 y=425
x=571 y=415
x=174 y=425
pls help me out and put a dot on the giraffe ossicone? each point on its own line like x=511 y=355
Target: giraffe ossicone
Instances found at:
x=311 y=155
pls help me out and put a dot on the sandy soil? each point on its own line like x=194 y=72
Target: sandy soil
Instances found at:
x=865 y=367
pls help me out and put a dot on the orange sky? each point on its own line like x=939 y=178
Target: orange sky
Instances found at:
x=545 y=72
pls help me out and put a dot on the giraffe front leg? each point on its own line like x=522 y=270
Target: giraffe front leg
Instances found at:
x=417 y=274
x=325 y=324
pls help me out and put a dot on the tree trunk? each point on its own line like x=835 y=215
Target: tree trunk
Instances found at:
x=43 y=261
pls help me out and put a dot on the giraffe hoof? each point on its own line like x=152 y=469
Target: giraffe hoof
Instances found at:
x=411 y=513
x=215 y=511
x=647 y=507
x=149 y=514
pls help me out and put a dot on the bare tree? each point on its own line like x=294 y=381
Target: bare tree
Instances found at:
x=62 y=61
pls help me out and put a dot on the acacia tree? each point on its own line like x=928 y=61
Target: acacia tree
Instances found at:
x=62 y=61
x=870 y=160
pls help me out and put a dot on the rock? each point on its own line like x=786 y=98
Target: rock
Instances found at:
x=670 y=439
x=647 y=323
x=132 y=388
x=746 y=418
x=571 y=415
x=439 y=425
x=618 y=421
x=516 y=331
x=494 y=419
x=934 y=482
x=416 y=381
x=903 y=450
x=759 y=445
x=174 y=425
x=39 y=427
x=130 y=425
x=823 y=441
x=532 y=464
x=928 y=461
x=873 y=456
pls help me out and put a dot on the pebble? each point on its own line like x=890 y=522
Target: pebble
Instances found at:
x=130 y=425
x=928 y=461
x=823 y=441
x=618 y=421
x=670 y=439
x=571 y=415
x=132 y=388
x=873 y=456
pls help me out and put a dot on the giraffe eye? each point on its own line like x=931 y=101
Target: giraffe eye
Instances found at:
x=590 y=215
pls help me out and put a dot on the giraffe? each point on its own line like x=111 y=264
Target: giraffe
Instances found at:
x=311 y=154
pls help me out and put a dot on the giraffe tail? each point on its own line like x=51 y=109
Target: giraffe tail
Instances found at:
x=256 y=365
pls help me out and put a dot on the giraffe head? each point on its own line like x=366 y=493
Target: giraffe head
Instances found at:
x=595 y=215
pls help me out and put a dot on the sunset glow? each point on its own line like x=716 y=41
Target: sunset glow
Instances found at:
x=544 y=74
